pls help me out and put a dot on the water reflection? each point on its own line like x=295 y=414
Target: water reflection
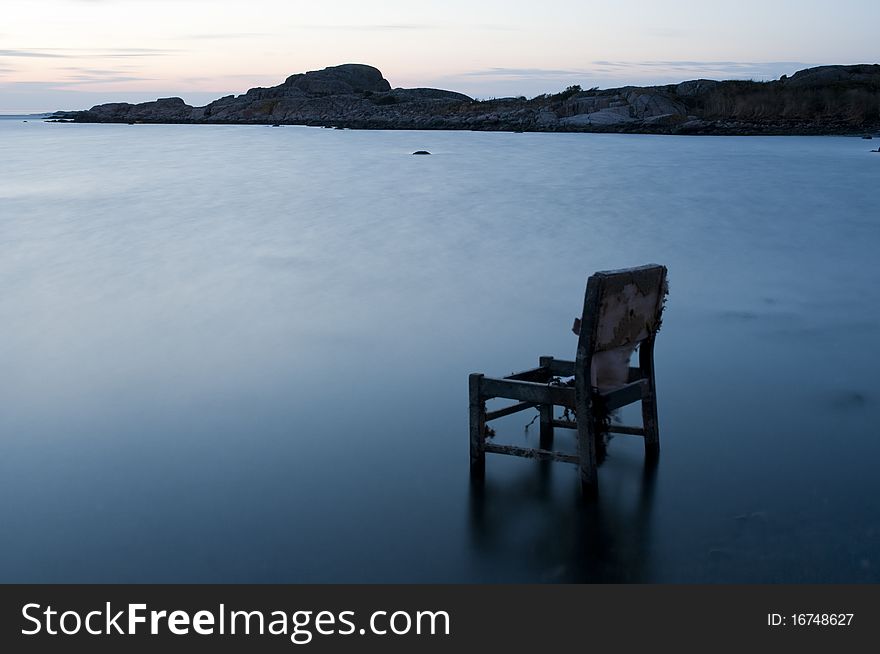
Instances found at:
x=549 y=529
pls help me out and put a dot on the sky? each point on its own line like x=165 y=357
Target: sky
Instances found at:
x=73 y=54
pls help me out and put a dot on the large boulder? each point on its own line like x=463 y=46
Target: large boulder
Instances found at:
x=648 y=104
x=169 y=110
x=347 y=78
x=546 y=118
x=695 y=87
x=431 y=94
x=830 y=74
x=601 y=118
x=626 y=105
x=585 y=104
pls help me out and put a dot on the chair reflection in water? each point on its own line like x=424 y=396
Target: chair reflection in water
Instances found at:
x=622 y=312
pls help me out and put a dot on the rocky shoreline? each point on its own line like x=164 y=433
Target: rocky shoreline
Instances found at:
x=828 y=100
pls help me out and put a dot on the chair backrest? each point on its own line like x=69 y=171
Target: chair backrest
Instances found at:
x=622 y=308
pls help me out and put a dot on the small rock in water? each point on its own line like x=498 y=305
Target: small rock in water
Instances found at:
x=867 y=137
x=849 y=399
x=276 y=125
x=421 y=152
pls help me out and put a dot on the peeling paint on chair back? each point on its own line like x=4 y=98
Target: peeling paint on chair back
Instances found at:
x=630 y=304
x=623 y=308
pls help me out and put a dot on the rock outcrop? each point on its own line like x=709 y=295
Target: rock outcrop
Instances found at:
x=627 y=105
x=823 y=100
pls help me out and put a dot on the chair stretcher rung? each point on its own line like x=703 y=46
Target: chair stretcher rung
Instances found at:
x=624 y=429
x=525 y=391
x=509 y=410
x=540 y=375
x=528 y=453
x=614 y=429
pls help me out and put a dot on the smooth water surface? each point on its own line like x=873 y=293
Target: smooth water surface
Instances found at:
x=241 y=353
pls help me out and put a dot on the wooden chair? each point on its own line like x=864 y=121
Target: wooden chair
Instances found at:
x=622 y=312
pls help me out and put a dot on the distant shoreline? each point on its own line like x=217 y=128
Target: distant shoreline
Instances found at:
x=822 y=101
x=36 y=116
x=709 y=131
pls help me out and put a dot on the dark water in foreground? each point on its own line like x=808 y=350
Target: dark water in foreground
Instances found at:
x=241 y=354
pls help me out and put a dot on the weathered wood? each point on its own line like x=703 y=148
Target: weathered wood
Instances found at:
x=649 y=400
x=541 y=375
x=541 y=455
x=614 y=429
x=527 y=391
x=546 y=412
x=477 y=427
x=624 y=429
x=622 y=310
x=586 y=439
x=508 y=410
x=624 y=395
x=559 y=367
x=629 y=306
x=586 y=446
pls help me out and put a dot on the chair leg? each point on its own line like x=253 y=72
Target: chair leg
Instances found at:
x=586 y=446
x=546 y=411
x=651 y=424
x=477 y=427
x=649 y=401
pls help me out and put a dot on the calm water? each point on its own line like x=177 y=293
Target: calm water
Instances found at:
x=241 y=354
